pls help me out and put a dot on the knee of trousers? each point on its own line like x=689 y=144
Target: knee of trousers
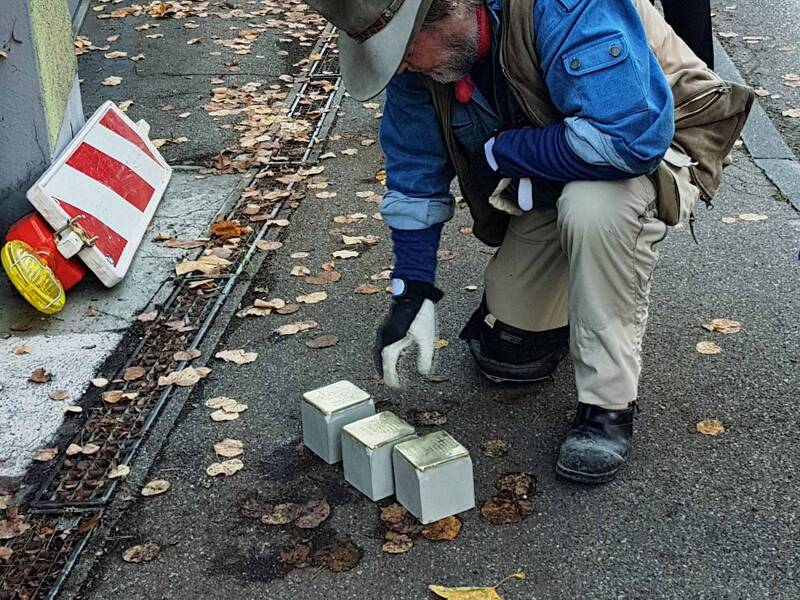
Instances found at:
x=594 y=210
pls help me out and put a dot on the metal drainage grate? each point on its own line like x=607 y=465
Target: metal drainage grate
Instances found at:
x=69 y=505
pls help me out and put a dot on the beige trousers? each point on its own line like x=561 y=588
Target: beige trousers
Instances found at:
x=588 y=263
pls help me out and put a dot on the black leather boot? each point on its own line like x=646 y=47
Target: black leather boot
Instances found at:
x=597 y=444
x=507 y=354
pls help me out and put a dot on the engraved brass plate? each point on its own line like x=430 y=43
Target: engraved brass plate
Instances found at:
x=379 y=430
x=335 y=397
x=432 y=450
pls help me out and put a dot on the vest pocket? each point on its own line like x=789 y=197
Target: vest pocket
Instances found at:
x=606 y=79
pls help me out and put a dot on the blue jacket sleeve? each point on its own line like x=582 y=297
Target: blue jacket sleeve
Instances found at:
x=418 y=176
x=602 y=76
x=418 y=171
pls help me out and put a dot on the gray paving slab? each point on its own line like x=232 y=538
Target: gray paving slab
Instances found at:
x=73 y=343
x=691 y=516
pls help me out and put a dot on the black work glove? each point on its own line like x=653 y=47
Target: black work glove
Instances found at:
x=411 y=319
x=483 y=178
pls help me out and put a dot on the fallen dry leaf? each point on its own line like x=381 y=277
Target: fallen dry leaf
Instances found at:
x=133 y=373
x=229 y=448
x=299 y=271
x=495 y=448
x=267 y=245
x=99 y=382
x=185 y=377
x=21 y=349
x=89 y=449
x=281 y=514
x=472 y=593
x=398 y=519
x=5 y=553
x=726 y=326
x=72 y=410
x=298 y=255
x=299 y=555
x=708 y=348
x=313 y=513
x=223 y=415
x=239 y=357
x=344 y=254
x=324 y=278
x=182 y=355
x=45 y=454
x=340 y=556
x=155 y=487
x=711 y=427
x=227 y=229
x=752 y=217
x=111 y=80
x=226 y=467
x=73 y=449
x=397 y=543
x=792 y=113
x=323 y=341
x=12 y=526
x=444 y=529
x=39 y=375
x=119 y=472
x=288 y=309
x=297 y=327
x=147 y=317
x=368 y=288
x=312 y=298
x=141 y=553
x=58 y=395
x=228 y=405
x=429 y=418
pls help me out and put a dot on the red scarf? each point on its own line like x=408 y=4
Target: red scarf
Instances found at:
x=465 y=86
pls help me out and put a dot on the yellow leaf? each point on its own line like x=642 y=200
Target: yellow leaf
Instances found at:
x=710 y=427
x=473 y=593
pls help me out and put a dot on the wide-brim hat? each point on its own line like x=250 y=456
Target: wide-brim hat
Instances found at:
x=373 y=38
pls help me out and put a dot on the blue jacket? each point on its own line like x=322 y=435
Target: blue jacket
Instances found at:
x=618 y=120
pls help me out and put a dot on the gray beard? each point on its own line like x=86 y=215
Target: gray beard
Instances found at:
x=463 y=51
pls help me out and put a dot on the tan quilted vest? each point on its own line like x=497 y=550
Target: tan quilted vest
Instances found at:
x=709 y=114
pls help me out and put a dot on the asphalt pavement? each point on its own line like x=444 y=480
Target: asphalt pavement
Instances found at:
x=691 y=516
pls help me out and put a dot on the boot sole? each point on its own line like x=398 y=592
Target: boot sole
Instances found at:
x=581 y=477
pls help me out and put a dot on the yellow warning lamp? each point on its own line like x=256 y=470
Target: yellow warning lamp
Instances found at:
x=30 y=273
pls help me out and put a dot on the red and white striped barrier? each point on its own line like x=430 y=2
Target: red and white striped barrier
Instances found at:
x=112 y=178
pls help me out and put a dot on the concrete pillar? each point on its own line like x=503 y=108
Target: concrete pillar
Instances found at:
x=40 y=103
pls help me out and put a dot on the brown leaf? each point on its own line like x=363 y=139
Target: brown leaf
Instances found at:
x=155 y=487
x=13 y=526
x=119 y=472
x=299 y=555
x=344 y=254
x=505 y=511
x=312 y=298
x=185 y=244
x=239 y=357
x=708 y=347
x=312 y=514
x=226 y=229
x=398 y=519
x=711 y=427
x=5 y=553
x=99 y=382
x=281 y=514
x=288 y=309
x=325 y=277
x=229 y=448
x=323 y=341
x=516 y=485
x=429 y=418
x=472 y=593
x=299 y=271
x=133 y=373
x=21 y=349
x=495 y=448
x=89 y=449
x=73 y=449
x=141 y=553
x=39 y=375
x=725 y=326
x=45 y=454
x=182 y=355
x=397 y=543
x=267 y=245
x=185 y=377
x=58 y=395
x=339 y=557
x=147 y=317
x=297 y=327
x=111 y=80
x=368 y=288
x=226 y=467
x=444 y=529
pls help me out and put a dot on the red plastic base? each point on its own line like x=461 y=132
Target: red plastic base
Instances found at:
x=34 y=230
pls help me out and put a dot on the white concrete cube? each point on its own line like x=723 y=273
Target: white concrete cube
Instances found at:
x=326 y=410
x=433 y=477
x=367 y=452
